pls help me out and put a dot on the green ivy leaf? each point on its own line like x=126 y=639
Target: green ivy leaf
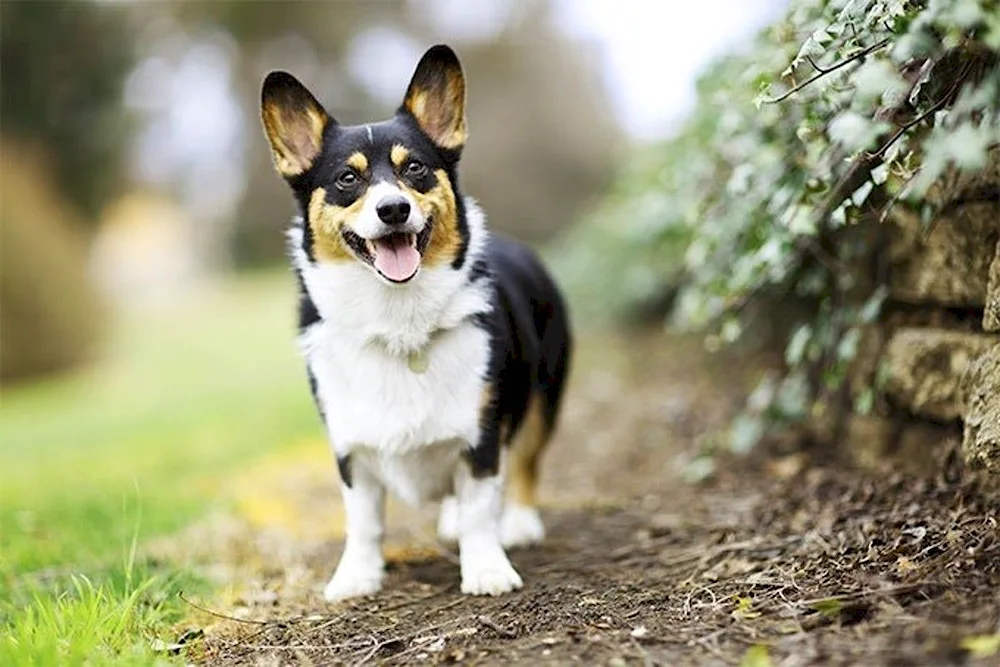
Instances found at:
x=965 y=14
x=873 y=305
x=854 y=131
x=744 y=433
x=796 y=350
x=966 y=146
x=699 y=469
x=878 y=79
x=847 y=349
x=864 y=403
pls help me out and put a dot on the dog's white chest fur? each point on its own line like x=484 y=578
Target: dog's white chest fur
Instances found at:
x=407 y=427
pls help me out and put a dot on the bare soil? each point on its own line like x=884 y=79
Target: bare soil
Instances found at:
x=776 y=560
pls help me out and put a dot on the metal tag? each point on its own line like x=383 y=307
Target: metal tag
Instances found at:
x=417 y=361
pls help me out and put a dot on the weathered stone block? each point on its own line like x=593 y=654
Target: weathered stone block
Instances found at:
x=924 y=369
x=948 y=262
x=991 y=315
x=981 y=402
x=909 y=445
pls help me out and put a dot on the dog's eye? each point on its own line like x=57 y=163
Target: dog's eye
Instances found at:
x=348 y=179
x=416 y=168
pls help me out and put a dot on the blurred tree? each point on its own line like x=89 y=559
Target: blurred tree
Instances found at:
x=63 y=64
x=542 y=135
x=309 y=39
x=50 y=315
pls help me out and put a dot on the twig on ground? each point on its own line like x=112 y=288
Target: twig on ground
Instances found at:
x=491 y=624
x=376 y=647
x=868 y=592
x=416 y=600
x=249 y=621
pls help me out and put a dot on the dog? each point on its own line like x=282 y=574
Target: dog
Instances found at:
x=436 y=353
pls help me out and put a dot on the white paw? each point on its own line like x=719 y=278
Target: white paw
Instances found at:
x=448 y=520
x=495 y=577
x=353 y=580
x=521 y=526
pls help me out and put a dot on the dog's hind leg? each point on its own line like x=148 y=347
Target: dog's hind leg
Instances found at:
x=521 y=524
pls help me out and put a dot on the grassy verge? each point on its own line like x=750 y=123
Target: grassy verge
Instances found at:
x=93 y=465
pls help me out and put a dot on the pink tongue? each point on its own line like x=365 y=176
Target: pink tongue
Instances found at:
x=394 y=257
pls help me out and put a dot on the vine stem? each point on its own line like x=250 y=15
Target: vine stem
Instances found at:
x=821 y=72
x=919 y=119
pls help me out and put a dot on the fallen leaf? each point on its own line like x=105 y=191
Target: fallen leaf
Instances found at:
x=830 y=607
x=904 y=565
x=744 y=609
x=982 y=646
x=756 y=656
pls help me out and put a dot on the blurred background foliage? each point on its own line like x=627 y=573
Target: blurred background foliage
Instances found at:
x=147 y=166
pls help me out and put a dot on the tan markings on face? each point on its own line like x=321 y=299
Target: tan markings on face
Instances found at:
x=358 y=161
x=295 y=136
x=326 y=221
x=398 y=154
x=439 y=204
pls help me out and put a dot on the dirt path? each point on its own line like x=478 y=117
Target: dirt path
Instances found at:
x=771 y=563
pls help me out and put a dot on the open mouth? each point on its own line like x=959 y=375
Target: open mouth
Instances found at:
x=396 y=256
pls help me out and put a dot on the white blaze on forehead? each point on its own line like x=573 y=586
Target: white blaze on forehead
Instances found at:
x=368 y=225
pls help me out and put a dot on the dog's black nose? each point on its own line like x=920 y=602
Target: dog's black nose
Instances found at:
x=393 y=210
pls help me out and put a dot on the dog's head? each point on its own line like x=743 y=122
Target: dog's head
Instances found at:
x=382 y=194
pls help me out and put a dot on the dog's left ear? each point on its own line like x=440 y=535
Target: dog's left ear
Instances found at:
x=293 y=121
x=436 y=97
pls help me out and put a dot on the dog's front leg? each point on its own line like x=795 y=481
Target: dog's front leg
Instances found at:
x=361 y=566
x=486 y=569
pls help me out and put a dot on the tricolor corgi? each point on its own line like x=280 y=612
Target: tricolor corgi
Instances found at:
x=436 y=353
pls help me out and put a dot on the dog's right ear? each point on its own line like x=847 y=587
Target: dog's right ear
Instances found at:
x=294 y=122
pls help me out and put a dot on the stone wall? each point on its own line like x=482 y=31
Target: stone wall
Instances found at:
x=936 y=354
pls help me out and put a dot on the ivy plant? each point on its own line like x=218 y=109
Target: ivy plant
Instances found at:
x=797 y=149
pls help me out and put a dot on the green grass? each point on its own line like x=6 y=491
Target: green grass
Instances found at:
x=138 y=446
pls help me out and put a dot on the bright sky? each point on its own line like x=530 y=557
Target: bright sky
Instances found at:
x=655 y=49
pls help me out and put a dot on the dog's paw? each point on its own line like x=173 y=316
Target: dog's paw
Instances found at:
x=353 y=580
x=495 y=577
x=521 y=526
x=448 y=520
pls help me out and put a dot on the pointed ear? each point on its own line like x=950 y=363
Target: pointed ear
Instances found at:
x=294 y=122
x=436 y=97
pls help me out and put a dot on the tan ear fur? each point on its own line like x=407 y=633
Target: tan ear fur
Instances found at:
x=436 y=97
x=294 y=123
